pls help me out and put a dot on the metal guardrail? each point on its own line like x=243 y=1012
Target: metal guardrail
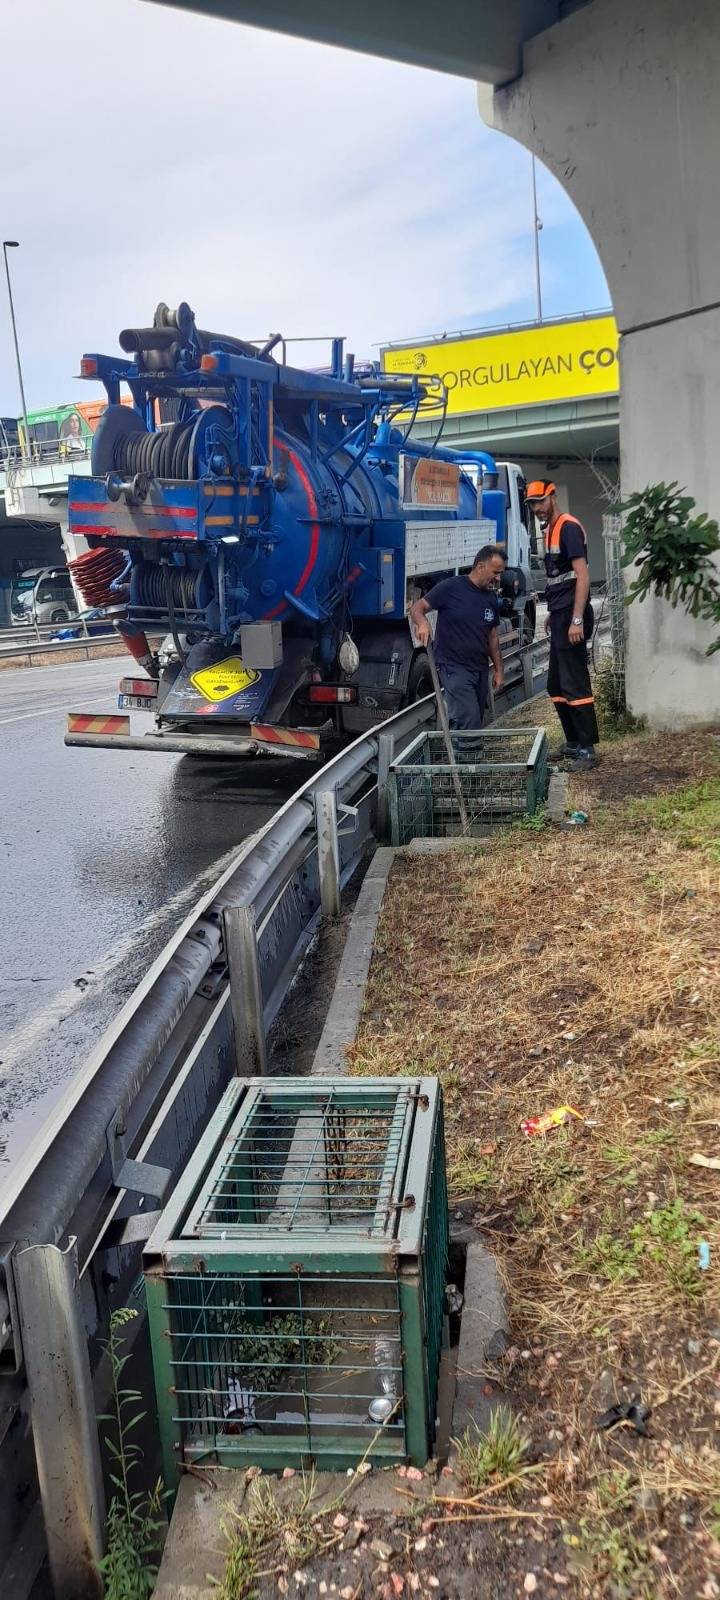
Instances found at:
x=23 y=634
x=14 y=459
x=129 y=1119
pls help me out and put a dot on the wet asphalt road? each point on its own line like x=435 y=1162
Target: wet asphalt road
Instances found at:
x=102 y=855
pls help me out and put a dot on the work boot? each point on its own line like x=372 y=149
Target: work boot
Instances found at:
x=564 y=752
x=584 y=759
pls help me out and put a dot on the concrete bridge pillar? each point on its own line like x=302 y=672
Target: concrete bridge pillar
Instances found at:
x=620 y=101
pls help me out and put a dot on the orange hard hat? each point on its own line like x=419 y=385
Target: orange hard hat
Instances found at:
x=538 y=489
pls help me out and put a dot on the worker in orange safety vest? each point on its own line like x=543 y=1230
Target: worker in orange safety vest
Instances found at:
x=569 y=624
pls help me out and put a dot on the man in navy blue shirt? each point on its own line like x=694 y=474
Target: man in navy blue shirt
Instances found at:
x=466 y=635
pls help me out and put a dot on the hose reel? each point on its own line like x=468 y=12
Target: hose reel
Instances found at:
x=130 y=457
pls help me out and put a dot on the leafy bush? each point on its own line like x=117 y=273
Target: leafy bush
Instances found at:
x=672 y=552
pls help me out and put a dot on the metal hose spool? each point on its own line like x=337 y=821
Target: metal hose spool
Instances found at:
x=162 y=455
x=181 y=450
x=154 y=584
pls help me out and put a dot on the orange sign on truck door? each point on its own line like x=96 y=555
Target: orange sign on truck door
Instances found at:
x=432 y=484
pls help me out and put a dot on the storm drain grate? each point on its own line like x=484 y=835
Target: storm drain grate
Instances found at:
x=295 y=1282
x=503 y=776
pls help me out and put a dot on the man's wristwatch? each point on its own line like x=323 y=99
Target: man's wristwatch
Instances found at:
x=577 y=622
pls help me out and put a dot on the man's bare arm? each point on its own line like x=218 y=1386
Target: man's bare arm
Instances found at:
x=418 y=617
x=576 y=632
x=498 y=677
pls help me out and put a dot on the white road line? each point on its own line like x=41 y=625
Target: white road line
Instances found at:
x=52 y=711
x=24 y=690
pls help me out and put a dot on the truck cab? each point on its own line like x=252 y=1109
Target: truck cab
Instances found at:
x=520 y=546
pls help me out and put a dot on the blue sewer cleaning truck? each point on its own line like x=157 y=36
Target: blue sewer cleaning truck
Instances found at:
x=258 y=532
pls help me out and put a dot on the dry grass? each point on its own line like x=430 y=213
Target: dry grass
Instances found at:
x=584 y=968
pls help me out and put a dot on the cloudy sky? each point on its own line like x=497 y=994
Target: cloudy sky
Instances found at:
x=150 y=155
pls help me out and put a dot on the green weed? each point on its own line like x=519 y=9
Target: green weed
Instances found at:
x=468 y=1173
x=536 y=823
x=134 y=1519
x=669 y=1237
x=609 y=688
x=497 y=1454
x=692 y=813
x=610 y=1560
x=608 y=1257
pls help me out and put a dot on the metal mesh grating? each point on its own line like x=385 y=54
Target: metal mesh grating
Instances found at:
x=319 y=1163
x=295 y=1282
x=612 y=535
x=502 y=773
x=293 y=1359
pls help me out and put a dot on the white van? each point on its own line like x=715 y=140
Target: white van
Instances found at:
x=42 y=595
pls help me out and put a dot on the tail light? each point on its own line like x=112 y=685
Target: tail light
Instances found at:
x=332 y=694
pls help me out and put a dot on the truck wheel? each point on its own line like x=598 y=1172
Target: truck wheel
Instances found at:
x=420 y=679
x=59 y=616
x=528 y=628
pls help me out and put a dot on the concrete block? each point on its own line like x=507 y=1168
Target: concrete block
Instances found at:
x=439 y=847
x=484 y=1334
x=195 y=1548
x=341 y=1023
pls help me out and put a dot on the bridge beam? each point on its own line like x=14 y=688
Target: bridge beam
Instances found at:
x=620 y=102
x=480 y=40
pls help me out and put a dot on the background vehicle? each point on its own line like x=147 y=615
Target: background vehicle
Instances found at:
x=43 y=594
x=95 y=620
x=275 y=531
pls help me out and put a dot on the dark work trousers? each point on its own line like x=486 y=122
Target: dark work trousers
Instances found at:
x=466 y=695
x=568 y=683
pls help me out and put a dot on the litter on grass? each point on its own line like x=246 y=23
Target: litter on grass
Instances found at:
x=631 y=1411
x=550 y=1119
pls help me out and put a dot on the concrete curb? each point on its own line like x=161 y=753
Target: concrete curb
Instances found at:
x=341 y=1022
x=484 y=1336
x=49 y=655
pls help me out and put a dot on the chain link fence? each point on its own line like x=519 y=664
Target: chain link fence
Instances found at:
x=612 y=535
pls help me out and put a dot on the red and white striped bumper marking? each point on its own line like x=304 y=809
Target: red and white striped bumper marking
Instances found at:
x=296 y=736
x=82 y=722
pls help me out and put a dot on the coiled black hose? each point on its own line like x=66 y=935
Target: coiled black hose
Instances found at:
x=165 y=454
x=155 y=586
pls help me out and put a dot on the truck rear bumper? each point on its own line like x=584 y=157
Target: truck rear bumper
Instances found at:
x=190 y=744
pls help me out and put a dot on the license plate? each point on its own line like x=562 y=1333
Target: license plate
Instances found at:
x=138 y=702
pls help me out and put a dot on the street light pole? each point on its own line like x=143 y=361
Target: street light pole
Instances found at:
x=12 y=244
x=537 y=225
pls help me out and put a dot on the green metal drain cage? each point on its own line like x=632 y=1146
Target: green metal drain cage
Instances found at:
x=295 y=1281
x=503 y=777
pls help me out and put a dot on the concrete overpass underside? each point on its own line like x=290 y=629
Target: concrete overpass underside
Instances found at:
x=470 y=38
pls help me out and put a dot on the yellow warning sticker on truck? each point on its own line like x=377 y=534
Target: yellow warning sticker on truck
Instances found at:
x=224 y=679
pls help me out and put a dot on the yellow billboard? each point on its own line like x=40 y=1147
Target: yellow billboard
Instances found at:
x=525 y=367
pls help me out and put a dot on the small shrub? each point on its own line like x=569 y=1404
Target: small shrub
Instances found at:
x=495 y=1455
x=134 y=1519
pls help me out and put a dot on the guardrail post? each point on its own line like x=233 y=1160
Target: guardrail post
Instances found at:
x=386 y=751
x=64 y=1426
x=328 y=852
x=526 y=657
x=245 y=991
